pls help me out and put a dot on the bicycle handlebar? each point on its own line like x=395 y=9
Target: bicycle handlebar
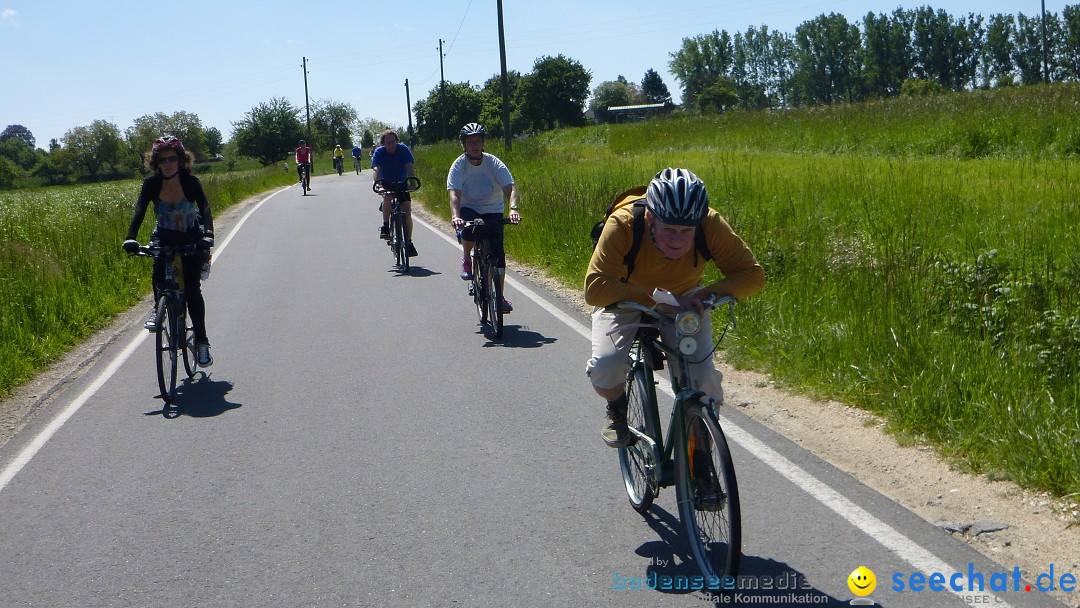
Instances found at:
x=151 y=251
x=711 y=302
x=481 y=221
x=383 y=186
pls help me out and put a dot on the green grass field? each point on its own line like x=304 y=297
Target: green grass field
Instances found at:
x=920 y=254
x=62 y=272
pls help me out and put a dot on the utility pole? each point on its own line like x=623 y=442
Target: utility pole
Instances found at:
x=442 y=96
x=1046 y=68
x=408 y=109
x=507 y=138
x=307 y=104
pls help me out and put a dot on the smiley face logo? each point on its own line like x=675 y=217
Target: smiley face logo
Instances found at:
x=861 y=581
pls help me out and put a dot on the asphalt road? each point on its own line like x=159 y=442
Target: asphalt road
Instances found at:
x=359 y=442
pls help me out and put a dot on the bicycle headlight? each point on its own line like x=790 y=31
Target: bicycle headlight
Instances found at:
x=688 y=323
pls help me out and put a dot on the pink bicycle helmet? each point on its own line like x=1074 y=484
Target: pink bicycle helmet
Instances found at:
x=168 y=141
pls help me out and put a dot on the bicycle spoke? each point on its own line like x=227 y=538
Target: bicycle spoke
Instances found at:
x=708 y=494
x=636 y=460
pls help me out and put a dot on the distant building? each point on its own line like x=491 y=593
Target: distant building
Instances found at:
x=635 y=113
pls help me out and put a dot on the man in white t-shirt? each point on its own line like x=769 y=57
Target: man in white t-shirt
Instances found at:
x=479 y=185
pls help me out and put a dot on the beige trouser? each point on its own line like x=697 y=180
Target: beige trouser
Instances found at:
x=610 y=360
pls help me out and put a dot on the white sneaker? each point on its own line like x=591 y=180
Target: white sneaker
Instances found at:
x=151 y=323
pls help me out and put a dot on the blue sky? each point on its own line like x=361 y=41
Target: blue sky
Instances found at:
x=70 y=62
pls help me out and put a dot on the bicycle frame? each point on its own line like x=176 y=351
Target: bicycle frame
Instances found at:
x=398 y=237
x=642 y=351
x=305 y=180
x=170 y=314
x=488 y=305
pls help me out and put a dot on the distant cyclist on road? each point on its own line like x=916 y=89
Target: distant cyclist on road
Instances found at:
x=357 y=154
x=393 y=162
x=303 y=159
x=339 y=158
x=676 y=204
x=183 y=218
x=479 y=185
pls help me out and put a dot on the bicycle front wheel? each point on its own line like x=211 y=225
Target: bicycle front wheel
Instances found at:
x=494 y=301
x=479 y=284
x=707 y=492
x=400 y=244
x=165 y=341
x=636 y=460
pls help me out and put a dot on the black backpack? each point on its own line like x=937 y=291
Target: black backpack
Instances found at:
x=636 y=197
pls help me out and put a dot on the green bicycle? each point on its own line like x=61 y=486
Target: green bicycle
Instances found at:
x=694 y=456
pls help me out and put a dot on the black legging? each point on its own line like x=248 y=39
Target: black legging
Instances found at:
x=196 y=306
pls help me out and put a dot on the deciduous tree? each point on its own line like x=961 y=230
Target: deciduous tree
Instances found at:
x=553 y=94
x=269 y=131
x=440 y=115
x=612 y=93
x=20 y=132
x=95 y=149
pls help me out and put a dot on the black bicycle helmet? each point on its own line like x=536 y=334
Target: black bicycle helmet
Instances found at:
x=473 y=128
x=677 y=196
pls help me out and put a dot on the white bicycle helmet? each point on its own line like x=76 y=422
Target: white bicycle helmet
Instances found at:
x=473 y=128
x=677 y=196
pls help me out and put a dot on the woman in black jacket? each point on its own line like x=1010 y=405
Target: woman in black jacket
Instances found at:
x=183 y=217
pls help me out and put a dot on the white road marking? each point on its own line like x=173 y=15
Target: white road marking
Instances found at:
x=902 y=546
x=886 y=535
x=39 y=441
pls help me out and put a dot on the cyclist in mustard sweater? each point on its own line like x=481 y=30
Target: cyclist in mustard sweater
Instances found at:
x=676 y=204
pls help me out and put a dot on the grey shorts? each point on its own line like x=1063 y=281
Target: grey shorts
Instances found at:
x=610 y=362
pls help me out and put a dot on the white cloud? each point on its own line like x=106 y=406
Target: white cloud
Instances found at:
x=8 y=16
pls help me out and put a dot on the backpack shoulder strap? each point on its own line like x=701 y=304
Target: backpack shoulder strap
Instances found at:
x=701 y=246
x=635 y=245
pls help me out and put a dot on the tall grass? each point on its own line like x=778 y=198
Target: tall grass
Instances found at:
x=909 y=270
x=62 y=272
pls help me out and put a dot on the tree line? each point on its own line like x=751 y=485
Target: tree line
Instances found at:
x=98 y=151
x=829 y=59
x=826 y=60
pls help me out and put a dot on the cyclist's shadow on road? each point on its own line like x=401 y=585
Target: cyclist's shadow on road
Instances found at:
x=199 y=397
x=414 y=271
x=759 y=577
x=518 y=336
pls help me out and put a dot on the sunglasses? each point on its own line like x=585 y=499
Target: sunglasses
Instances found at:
x=167 y=159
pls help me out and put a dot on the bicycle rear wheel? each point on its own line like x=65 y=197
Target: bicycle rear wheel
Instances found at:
x=494 y=301
x=708 y=494
x=191 y=359
x=636 y=460
x=165 y=341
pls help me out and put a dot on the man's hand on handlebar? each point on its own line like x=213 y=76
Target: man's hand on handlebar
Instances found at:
x=457 y=223
x=692 y=303
x=131 y=246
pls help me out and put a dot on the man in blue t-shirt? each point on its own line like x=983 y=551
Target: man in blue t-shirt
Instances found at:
x=393 y=162
x=357 y=152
